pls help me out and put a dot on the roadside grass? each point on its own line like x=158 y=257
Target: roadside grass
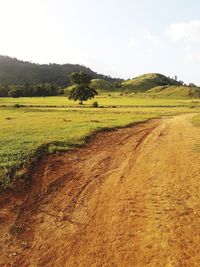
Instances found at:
x=24 y=130
x=196 y=120
x=196 y=123
x=29 y=131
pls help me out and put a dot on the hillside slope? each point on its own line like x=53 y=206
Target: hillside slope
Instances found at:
x=102 y=85
x=174 y=92
x=147 y=81
x=14 y=71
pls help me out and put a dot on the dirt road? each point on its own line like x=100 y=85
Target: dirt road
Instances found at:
x=131 y=197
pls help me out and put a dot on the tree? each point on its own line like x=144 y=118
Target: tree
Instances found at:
x=16 y=92
x=82 y=93
x=4 y=91
x=80 y=78
x=118 y=85
x=81 y=89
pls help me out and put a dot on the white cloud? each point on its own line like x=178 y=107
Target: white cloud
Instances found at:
x=185 y=31
x=149 y=53
x=192 y=55
x=146 y=40
x=134 y=42
x=153 y=39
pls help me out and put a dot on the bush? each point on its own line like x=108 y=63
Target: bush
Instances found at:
x=15 y=92
x=17 y=106
x=61 y=92
x=95 y=104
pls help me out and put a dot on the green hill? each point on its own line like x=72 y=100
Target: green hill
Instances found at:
x=147 y=81
x=14 y=71
x=158 y=85
x=102 y=85
x=174 y=92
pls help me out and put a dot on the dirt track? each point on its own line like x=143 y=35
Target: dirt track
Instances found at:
x=130 y=197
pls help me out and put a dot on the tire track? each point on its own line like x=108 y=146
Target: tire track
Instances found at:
x=128 y=198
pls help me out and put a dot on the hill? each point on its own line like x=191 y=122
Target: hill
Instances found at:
x=174 y=92
x=102 y=85
x=14 y=71
x=147 y=81
x=158 y=85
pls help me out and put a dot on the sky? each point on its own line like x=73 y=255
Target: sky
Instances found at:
x=121 y=38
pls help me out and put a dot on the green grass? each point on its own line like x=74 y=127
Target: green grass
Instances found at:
x=102 y=85
x=174 y=92
x=141 y=83
x=196 y=123
x=150 y=84
x=25 y=130
x=196 y=120
x=115 y=99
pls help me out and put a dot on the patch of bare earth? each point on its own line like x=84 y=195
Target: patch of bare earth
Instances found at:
x=128 y=198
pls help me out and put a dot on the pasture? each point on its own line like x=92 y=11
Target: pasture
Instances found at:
x=45 y=125
x=104 y=99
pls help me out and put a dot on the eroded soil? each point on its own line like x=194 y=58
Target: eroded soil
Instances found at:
x=130 y=197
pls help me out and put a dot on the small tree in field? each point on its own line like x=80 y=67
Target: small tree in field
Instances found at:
x=81 y=90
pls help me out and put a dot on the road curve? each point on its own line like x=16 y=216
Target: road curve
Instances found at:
x=130 y=197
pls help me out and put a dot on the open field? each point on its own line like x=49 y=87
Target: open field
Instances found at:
x=27 y=129
x=24 y=130
x=103 y=99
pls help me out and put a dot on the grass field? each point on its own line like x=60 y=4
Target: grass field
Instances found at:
x=25 y=130
x=104 y=100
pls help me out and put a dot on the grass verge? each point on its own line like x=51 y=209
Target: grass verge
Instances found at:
x=26 y=133
x=196 y=120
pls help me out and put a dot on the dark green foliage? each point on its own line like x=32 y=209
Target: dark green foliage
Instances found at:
x=17 y=106
x=45 y=89
x=81 y=93
x=4 y=91
x=13 y=71
x=16 y=91
x=118 y=85
x=42 y=80
x=80 y=78
x=95 y=104
x=81 y=90
x=60 y=91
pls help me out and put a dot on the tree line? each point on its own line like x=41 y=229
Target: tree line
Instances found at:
x=27 y=90
x=21 y=79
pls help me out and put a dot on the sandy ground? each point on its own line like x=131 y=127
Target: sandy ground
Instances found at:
x=130 y=197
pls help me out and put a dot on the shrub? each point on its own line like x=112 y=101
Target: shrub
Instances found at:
x=15 y=92
x=95 y=104
x=17 y=106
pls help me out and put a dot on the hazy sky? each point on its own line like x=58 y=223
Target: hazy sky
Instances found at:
x=121 y=38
